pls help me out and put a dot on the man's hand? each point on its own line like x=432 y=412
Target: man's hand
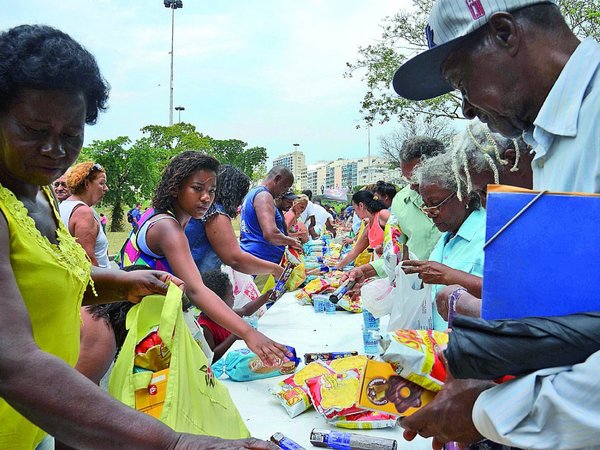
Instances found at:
x=190 y=442
x=430 y=272
x=140 y=283
x=448 y=418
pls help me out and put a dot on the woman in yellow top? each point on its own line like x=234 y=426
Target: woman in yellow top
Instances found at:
x=50 y=87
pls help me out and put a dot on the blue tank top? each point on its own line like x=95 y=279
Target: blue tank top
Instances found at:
x=204 y=256
x=251 y=236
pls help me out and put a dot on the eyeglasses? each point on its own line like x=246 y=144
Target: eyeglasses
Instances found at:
x=59 y=183
x=96 y=167
x=435 y=210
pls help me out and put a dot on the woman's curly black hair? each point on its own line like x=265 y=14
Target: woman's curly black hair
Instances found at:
x=44 y=58
x=233 y=187
x=368 y=199
x=179 y=168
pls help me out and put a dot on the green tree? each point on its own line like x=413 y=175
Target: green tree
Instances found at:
x=131 y=172
x=233 y=151
x=170 y=141
x=403 y=37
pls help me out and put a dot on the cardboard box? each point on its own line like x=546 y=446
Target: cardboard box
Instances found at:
x=151 y=399
x=383 y=390
x=545 y=263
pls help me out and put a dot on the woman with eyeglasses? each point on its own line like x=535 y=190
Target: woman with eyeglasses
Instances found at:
x=87 y=183
x=457 y=258
x=480 y=158
x=367 y=205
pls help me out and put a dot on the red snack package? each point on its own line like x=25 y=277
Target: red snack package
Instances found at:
x=151 y=353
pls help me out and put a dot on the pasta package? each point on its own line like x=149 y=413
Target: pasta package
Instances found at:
x=351 y=362
x=316 y=286
x=293 y=393
x=302 y=297
x=413 y=356
x=244 y=365
x=297 y=277
x=335 y=395
x=353 y=305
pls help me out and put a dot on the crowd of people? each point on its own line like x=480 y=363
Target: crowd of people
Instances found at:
x=533 y=132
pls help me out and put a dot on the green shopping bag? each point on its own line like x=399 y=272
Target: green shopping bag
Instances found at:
x=195 y=402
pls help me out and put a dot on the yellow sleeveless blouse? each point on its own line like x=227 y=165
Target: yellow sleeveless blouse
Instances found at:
x=52 y=280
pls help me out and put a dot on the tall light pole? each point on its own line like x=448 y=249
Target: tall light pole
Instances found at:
x=369 y=149
x=173 y=5
x=179 y=109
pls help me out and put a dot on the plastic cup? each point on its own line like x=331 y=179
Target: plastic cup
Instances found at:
x=371 y=341
x=370 y=321
x=329 y=307
x=319 y=302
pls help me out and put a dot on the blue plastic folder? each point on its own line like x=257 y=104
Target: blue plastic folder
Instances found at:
x=547 y=261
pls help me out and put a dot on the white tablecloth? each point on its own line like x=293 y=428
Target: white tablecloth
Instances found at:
x=291 y=324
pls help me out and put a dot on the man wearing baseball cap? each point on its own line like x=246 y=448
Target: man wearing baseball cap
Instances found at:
x=520 y=69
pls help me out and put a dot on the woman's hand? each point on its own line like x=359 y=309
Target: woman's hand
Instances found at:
x=270 y=352
x=430 y=272
x=466 y=305
x=140 y=283
x=442 y=299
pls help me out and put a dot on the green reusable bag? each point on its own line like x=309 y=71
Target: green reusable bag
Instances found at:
x=196 y=402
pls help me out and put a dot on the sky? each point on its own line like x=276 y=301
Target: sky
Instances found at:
x=268 y=72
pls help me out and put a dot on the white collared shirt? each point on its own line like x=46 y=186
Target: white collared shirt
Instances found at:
x=566 y=133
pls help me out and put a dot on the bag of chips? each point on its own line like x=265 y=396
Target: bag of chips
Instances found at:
x=413 y=356
x=293 y=393
x=316 y=286
x=335 y=395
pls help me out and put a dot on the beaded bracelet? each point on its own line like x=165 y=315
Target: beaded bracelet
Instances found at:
x=452 y=300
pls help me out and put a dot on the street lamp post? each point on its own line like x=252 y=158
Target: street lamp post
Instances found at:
x=369 y=149
x=179 y=109
x=173 y=5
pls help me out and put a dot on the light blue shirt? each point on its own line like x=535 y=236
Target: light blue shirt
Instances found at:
x=550 y=409
x=566 y=135
x=463 y=251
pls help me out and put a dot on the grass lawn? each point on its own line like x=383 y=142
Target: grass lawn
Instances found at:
x=116 y=240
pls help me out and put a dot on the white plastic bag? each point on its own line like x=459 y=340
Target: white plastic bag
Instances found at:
x=375 y=297
x=411 y=305
x=244 y=289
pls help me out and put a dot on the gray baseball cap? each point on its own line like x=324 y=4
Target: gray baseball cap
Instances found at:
x=449 y=23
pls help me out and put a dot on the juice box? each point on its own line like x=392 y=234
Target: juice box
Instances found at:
x=150 y=400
